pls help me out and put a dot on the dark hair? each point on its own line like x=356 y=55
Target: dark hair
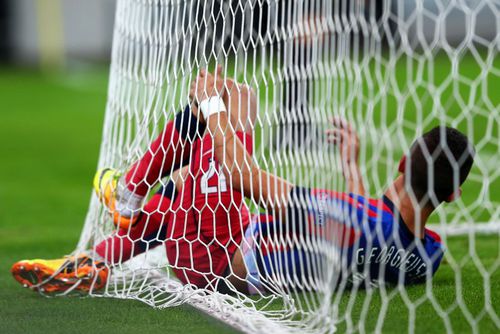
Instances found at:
x=439 y=162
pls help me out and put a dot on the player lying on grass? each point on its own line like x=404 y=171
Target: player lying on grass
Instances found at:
x=196 y=215
x=379 y=239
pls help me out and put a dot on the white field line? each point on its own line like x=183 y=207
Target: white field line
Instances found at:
x=467 y=228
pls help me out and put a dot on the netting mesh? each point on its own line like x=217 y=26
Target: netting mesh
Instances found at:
x=391 y=68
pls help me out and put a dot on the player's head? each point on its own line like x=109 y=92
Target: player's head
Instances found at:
x=437 y=165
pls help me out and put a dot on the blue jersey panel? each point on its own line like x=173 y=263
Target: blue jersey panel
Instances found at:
x=379 y=245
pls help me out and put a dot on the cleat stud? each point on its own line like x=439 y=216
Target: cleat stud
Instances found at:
x=25 y=285
x=37 y=269
x=21 y=267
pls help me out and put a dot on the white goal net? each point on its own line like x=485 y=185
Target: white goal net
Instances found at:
x=392 y=69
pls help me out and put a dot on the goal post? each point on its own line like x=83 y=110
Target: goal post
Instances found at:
x=392 y=69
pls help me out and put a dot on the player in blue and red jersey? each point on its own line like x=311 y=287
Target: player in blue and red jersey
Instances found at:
x=377 y=240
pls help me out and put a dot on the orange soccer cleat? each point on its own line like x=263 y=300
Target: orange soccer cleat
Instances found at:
x=81 y=274
x=106 y=188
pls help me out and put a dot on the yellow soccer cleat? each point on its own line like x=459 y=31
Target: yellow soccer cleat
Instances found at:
x=56 y=276
x=105 y=186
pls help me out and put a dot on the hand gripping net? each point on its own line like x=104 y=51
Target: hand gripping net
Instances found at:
x=391 y=68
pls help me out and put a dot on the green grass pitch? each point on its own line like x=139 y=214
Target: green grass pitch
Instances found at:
x=50 y=130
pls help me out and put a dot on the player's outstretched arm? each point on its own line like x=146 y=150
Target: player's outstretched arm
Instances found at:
x=268 y=190
x=346 y=139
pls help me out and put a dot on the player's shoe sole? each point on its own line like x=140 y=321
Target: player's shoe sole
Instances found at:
x=57 y=276
x=105 y=185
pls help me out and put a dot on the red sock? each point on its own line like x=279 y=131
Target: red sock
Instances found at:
x=148 y=232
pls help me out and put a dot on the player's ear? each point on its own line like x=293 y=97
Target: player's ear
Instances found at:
x=402 y=164
x=454 y=196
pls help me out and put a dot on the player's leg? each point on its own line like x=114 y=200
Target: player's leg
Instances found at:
x=166 y=154
x=148 y=232
x=124 y=195
x=84 y=273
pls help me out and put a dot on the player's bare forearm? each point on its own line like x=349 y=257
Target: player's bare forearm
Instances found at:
x=346 y=139
x=264 y=188
x=354 y=179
